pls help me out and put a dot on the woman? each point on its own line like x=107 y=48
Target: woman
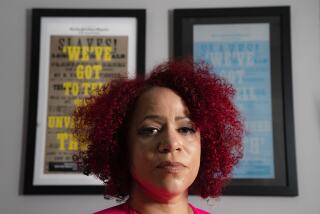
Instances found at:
x=153 y=141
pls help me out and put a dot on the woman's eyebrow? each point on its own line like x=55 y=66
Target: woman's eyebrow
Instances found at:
x=182 y=118
x=158 y=117
x=152 y=117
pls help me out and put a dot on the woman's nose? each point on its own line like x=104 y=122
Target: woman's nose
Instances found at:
x=169 y=142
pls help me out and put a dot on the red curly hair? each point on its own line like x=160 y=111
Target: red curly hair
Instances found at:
x=102 y=126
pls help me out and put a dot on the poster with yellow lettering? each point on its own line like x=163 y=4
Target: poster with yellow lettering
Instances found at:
x=79 y=65
x=75 y=52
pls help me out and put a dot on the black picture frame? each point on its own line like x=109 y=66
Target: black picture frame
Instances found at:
x=284 y=182
x=108 y=20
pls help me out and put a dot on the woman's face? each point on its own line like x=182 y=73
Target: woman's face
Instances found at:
x=164 y=145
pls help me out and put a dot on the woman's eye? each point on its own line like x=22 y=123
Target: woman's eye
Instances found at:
x=148 y=131
x=186 y=130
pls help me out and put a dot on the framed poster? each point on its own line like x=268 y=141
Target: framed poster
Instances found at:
x=74 y=53
x=250 y=47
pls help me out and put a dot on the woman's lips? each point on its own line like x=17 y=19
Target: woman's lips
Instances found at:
x=171 y=167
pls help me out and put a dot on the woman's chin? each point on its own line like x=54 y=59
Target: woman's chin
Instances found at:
x=170 y=190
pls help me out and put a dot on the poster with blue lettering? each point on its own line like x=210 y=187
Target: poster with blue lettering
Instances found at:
x=241 y=54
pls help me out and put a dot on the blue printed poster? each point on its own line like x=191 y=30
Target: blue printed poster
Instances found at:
x=241 y=54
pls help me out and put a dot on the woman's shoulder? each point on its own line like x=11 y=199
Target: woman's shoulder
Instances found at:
x=123 y=209
x=197 y=210
x=119 y=209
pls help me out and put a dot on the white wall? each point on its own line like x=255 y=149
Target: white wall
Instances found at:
x=14 y=28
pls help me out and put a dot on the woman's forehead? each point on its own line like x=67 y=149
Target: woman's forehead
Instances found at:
x=160 y=101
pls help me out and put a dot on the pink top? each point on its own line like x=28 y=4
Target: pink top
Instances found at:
x=125 y=209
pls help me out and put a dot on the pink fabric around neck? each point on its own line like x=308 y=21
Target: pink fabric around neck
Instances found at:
x=125 y=209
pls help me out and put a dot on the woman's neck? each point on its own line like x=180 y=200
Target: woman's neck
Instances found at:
x=145 y=202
